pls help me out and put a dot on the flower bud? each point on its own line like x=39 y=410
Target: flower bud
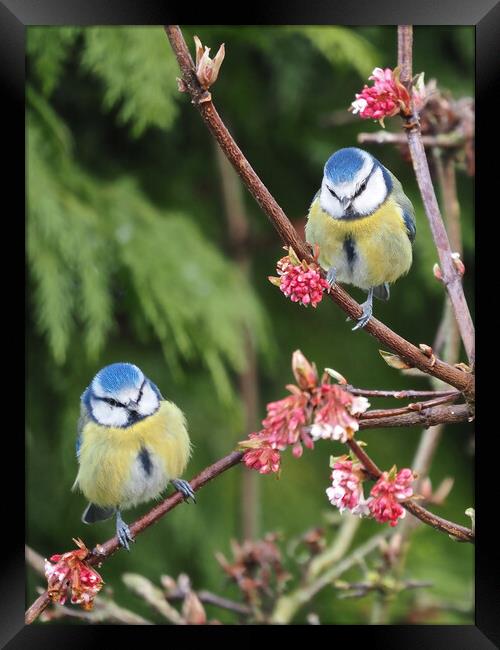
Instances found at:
x=207 y=69
x=305 y=373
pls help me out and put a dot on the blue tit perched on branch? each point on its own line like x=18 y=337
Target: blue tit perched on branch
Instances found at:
x=364 y=225
x=131 y=442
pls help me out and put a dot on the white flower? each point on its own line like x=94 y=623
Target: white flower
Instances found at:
x=327 y=432
x=335 y=495
x=359 y=405
x=321 y=431
x=362 y=509
x=359 y=105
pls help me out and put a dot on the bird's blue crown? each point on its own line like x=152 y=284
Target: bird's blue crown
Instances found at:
x=344 y=164
x=117 y=376
x=114 y=378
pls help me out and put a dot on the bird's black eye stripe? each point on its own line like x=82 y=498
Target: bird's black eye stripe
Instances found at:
x=361 y=188
x=364 y=183
x=333 y=193
x=140 y=392
x=111 y=401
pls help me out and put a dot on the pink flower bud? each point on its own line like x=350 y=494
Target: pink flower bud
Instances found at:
x=71 y=575
x=346 y=491
x=264 y=459
x=438 y=274
x=299 y=281
x=207 y=69
x=305 y=373
x=459 y=265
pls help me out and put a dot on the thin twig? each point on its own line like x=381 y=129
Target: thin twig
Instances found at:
x=413 y=406
x=213 y=599
x=287 y=605
x=397 y=394
x=451 y=278
x=451 y=140
x=34 y=560
x=201 y=99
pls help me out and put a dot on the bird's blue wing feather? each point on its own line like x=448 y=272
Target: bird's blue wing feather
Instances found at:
x=410 y=225
x=406 y=207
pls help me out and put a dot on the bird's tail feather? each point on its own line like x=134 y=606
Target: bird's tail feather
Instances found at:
x=95 y=513
x=382 y=292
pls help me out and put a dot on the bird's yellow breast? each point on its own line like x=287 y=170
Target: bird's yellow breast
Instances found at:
x=109 y=466
x=380 y=243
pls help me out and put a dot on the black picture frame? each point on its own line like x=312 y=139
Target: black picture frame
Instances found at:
x=15 y=15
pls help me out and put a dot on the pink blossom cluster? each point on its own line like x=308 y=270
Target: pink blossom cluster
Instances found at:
x=312 y=411
x=334 y=410
x=264 y=458
x=303 y=286
x=346 y=490
x=388 y=491
x=72 y=575
x=386 y=98
x=300 y=281
x=320 y=410
x=284 y=424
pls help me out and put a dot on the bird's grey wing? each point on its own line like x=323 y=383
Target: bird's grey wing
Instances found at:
x=407 y=207
x=82 y=421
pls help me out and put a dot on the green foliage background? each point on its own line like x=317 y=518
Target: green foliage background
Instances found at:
x=128 y=259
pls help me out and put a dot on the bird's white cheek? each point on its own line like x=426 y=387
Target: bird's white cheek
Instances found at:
x=330 y=204
x=110 y=416
x=373 y=196
x=149 y=401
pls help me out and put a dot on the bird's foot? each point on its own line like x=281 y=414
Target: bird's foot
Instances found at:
x=331 y=276
x=123 y=533
x=184 y=488
x=365 y=316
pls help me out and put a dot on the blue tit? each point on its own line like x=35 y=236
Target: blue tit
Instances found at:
x=364 y=225
x=131 y=442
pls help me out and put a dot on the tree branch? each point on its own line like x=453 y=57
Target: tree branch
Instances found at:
x=451 y=278
x=426 y=418
x=202 y=101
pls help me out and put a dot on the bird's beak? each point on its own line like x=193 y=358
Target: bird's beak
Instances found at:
x=133 y=406
x=346 y=203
